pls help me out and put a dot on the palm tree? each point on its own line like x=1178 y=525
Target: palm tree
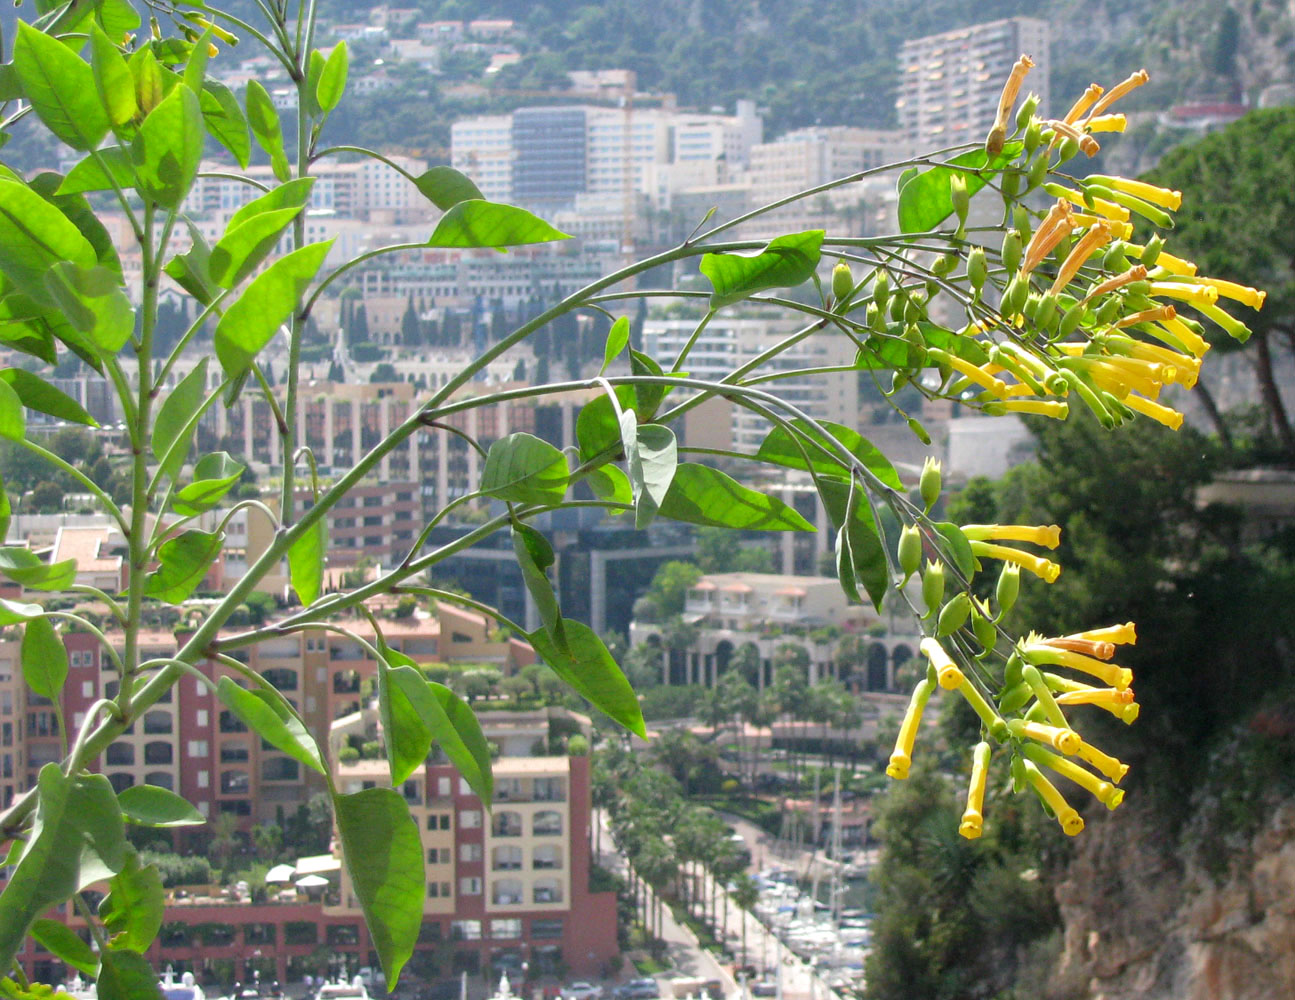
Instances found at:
x=745 y=895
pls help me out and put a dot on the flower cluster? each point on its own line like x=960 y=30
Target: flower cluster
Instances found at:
x=1082 y=312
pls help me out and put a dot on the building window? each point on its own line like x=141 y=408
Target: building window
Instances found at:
x=233 y=753
x=198 y=748
x=160 y=779
x=202 y=718
x=470 y=886
x=234 y=782
x=465 y=930
x=120 y=781
x=438 y=855
x=547 y=890
x=506 y=891
x=469 y=819
x=204 y=779
x=507 y=824
x=469 y=853
x=120 y=755
x=438 y=821
x=506 y=859
x=508 y=929
x=280 y=769
x=157 y=752
x=546 y=929
x=281 y=677
x=547 y=856
x=157 y=722
x=547 y=824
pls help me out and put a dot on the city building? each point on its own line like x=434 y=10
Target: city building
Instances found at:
x=949 y=84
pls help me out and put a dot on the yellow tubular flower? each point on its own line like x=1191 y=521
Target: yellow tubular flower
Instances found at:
x=1055 y=227
x=1176 y=265
x=1045 y=569
x=1107 y=123
x=1065 y=740
x=965 y=368
x=1118 y=380
x=1097 y=696
x=1163 y=197
x=1047 y=535
x=1244 y=294
x=1106 y=793
x=973 y=816
x=1071 y=822
x=1051 y=710
x=1182 y=336
x=1089 y=647
x=1121 y=635
x=998 y=133
x=1039 y=407
x=1186 y=367
x=1120 y=230
x=1194 y=293
x=1086 y=100
x=1100 y=205
x=1060 y=129
x=1234 y=327
x=1137 y=273
x=902 y=756
x=1119 y=90
x=1158 y=412
x=993 y=722
x=945 y=669
x=1110 y=673
x=1157 y=315
x=1098 y=236
x=1106 y=764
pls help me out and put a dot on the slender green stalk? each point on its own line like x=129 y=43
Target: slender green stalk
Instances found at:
x=99 y=494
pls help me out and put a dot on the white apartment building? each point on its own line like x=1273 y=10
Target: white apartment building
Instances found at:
x=482 y=148
x=950 y=83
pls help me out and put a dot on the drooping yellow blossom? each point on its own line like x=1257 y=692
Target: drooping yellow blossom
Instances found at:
x=1047 y=535
x=1119 y=379
x=1065 y=740
x=1098 y=236
x=1045 y=569
x=1244 y=294
x=1034 y=680
x=1102 y=650
x=1119 y=90
x=1101 y=206
x=1106 y=764
x=1119 y=703
x=1158 y=412
x=1133 y=274
x=901 y=758
x=973 y=816
x=1181 y=336
x=965 y=368
x=1163 y=197
x=1071 y=822
x=1121 y=635
x=1039 y=407
x=1194 y=293
x=1107 y=123
x=1110 y=673
x=1185 y=367
x=992 y=720
x=1106 y=793
x=1086 y=100
x=1055 y=227
x=1233 y=326
x=1157 y=315
x=948 y=672
x=1061 y=129
x=1006 y=101
x=1175 y=265
x=1120 y=230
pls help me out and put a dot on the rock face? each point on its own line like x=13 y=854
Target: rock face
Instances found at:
x=1143 y=924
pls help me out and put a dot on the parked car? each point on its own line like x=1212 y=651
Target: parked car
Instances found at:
x=764 y=989
x=582 y=991
x=637 y=989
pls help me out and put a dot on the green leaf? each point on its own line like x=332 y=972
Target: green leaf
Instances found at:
x=126 y=975
x=265 y=305
x=596 y=426
x=65 y=944
x=445 y=187
x=190 y=270
x=224 y=120
x=384 y=854
x=95 y=304
x=25 y=567
x=183 y=563
x=534 y=557
x=99 y=172
x=646 y=397
x=255 y=230
x=959 y=548
x=524 y=469
x=212 y=478
x=168 y=148
x=859 y=546
x=895 y=352
x=264 y=119
x=332 y=79
x=610 y=483
x=13 y=421
x=702 y=495
x=785 y=262
x=651 y=456
x=926 y=199
x=44 y=659
x=195 y=70
x=476 y=223
x=177 y=418
x=267 y=714
x=132 y=910
x=306 y=562
x=592 y=673
x=313 y=72
x=77 y=210
x=618 y=338
x=148 y=805
x=13 y=612
x=60 y=87
x=118 y=16
x=112 y=80
x=778 y=448
x=37 y=394
x=406 y=737
x=34 y=236
x=76 y=839
x=6 y=512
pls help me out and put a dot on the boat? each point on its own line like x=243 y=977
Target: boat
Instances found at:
x=186 y=989
x=342 y=990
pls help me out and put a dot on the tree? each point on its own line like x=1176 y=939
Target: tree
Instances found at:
x=670 y=585
x=410 y=331
x=46 y=498
x=1240 y=225
x=67 y=291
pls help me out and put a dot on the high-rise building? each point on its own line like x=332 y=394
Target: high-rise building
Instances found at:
x=950 y=83
x=550 y=149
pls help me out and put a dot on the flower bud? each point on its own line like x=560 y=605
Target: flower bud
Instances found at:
x=1013 y=670
x=1033 y=137
x=943 y=264
x=1069 y=147
x=1011 y=184
x=977 y=268
x=933 y=586
x=1070 y=320
x=1022 y=222
x=918 y=430
x=958 y=194
x=1015 y=296
x=1038 y=172
x=1025 y=113
x=1009 y=586
x=873 y=319
x=984 y=629
x=842 y=283
x=910 y=550
x=1109 y=311
x=1012 y=249
x=954 y=614
x=916 y=346
x=930 y=482
x=1114 y=259
x=1152 y=251
x=881 y=289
